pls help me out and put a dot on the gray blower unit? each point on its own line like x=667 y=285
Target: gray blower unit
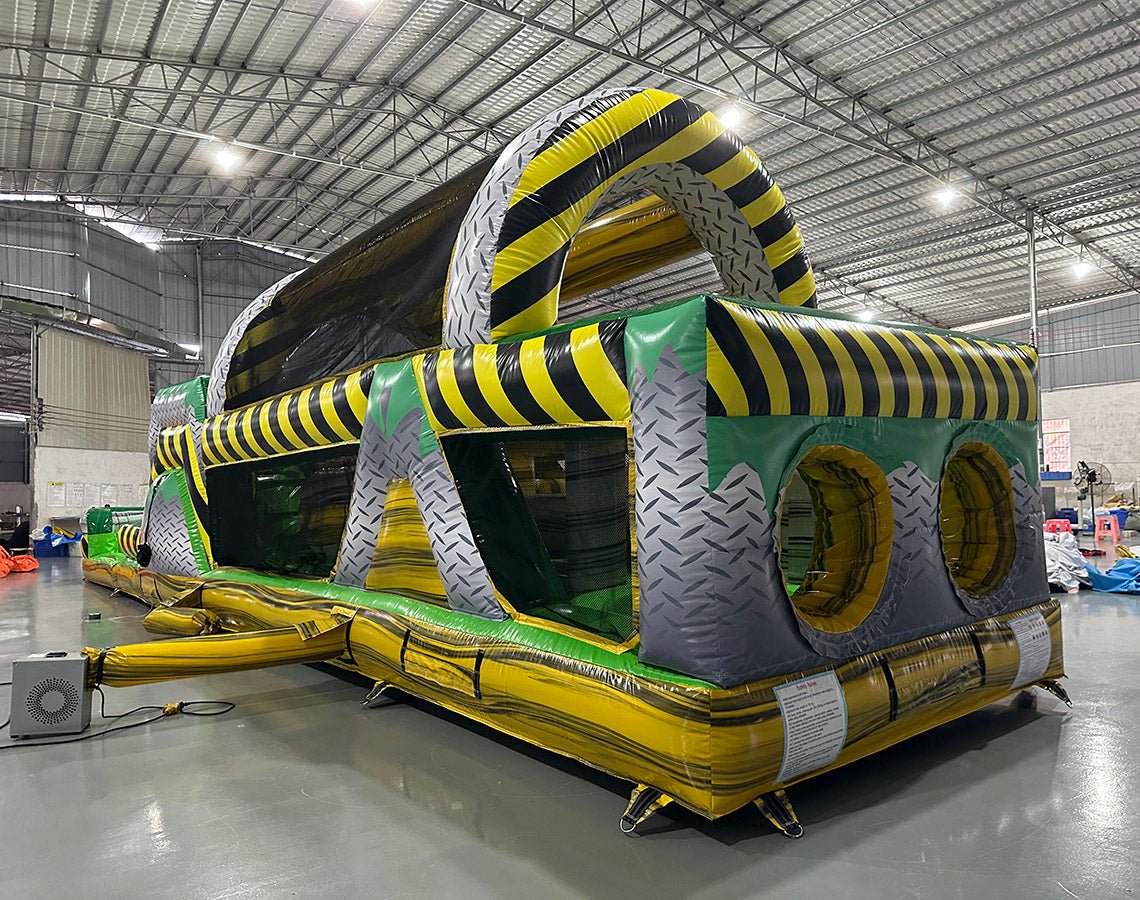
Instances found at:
x=50 y=695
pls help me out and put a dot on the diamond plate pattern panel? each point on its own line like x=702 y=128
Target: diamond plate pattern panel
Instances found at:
x=166 y=534
x=467 y=308
x=460 y=566
x=717 y=223
x=712 y=604
x=380 y=460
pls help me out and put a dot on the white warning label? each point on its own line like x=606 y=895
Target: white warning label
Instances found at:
x=1033 y=647
x=815 y=723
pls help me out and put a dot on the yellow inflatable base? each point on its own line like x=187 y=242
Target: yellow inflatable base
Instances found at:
x=712 y=750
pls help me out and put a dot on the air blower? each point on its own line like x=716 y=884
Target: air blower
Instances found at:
x=50 y=695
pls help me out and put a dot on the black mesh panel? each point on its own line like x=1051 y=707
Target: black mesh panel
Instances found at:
x=283 y=515
x=550 y=512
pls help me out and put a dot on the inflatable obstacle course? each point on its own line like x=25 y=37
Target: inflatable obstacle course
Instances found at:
x=713 y=546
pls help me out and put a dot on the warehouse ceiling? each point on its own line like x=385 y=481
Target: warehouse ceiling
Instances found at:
x=913 y=137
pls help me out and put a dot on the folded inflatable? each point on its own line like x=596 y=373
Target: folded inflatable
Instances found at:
x=713 y=546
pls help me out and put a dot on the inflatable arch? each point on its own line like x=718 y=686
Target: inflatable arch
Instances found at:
x=507 y=269
x=713 y=546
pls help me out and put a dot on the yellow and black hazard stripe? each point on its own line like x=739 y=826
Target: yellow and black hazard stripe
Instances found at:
x=765 y=362
x=585 y=155
x=196 y=483
x=178 y=448
x=318 y=415
x=129 y=538
x=563 y=378
x=169 y=450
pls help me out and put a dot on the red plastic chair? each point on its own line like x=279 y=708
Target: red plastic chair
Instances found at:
x=1108 y=528
x=1055 y=525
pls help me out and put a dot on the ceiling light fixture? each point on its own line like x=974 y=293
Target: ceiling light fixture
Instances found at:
x=1082 y=268
x=866 y=314
x=946 y=197
x=226 y=158
x=732 y=116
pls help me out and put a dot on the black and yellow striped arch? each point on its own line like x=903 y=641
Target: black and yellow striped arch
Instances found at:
x=612 y=137
x=319 y=415
x=562 y=378
x=764 y=361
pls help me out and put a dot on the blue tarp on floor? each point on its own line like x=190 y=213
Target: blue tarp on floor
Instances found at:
x=1122 y=578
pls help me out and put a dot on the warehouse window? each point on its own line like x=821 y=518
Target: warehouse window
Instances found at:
x=835 y=534
x=550 y=512
x=979 y=538
x=283 y=515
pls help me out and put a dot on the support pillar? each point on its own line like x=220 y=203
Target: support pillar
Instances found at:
x=1034 y=331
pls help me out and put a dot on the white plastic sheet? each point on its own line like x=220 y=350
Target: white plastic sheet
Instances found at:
x=1064 y=565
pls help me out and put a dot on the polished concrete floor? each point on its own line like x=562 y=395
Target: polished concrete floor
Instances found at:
x=301 y=792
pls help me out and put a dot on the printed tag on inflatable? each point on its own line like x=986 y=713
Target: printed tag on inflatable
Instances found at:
x=1033 y=648
x=815 y=723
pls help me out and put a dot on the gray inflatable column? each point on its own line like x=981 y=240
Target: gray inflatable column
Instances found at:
x=711 y=601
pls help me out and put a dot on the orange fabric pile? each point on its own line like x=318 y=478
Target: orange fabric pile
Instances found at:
x=10 y=563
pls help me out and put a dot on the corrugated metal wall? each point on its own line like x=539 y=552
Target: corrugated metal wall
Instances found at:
x=38 y=257
x=178 y=279
x=1095 y=343
x=15 y=366
x=232 y=275
x=51 y=254
x=118 y=277
x=69 y=261
x=95 y=396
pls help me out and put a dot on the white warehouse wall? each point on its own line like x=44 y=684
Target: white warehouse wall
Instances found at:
x=92 y=448
x=88 y=478
x=1104 y=424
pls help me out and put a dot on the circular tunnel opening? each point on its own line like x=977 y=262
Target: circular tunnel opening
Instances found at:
x=835 y=534
x=979 y=538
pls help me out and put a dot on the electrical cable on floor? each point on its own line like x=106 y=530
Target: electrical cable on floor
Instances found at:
x=200 y=708
x=186 y=707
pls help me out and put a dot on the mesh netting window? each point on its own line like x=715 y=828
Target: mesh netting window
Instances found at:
x=550 y=513
x=283 y=515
